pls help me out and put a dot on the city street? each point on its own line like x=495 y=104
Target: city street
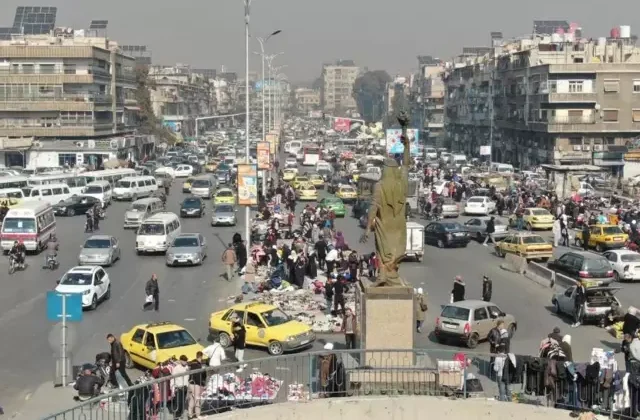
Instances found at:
x=188 y=295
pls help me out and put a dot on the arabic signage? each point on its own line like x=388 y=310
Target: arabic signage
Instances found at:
x=342 y=124
x=394 y=142
x=485 y=150
x=263 y=152
x=247 y=185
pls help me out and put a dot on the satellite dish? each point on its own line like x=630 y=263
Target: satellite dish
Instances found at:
x=80 y=143
x=91 y=144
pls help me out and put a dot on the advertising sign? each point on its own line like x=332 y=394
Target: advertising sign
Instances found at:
x=173 y=126
x=394 y=143
x=342 y=124
x=485 y=150
x=247 y=185
x=272 y=139
x=264 y=156
x=315 y=114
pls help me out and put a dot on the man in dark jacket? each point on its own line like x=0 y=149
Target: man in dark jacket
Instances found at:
x=152 y=289
x=494 y=337
x=339 y=288
x=321 y=251
x=490 y=230
x=578 y=305
x=88 y=384
x=118 y=361
x=487 y=288
x=586 y=235
x=197 y=383
x=458 y=291
x=239 y=341
x=241 y=253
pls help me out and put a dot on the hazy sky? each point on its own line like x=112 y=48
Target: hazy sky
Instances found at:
x=376 y=34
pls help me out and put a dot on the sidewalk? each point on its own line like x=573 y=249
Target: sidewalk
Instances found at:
x=45 y=400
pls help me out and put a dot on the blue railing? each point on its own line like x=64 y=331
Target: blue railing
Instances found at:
x=355 y=373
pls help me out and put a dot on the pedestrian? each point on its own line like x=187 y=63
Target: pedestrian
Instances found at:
x=564 y=232
x=215 y=353
x=328 y=293
x=241 y=254
x=458 y=291
x=487 y=288
x=586 y=235
x=349 y=328
x=494 y=338
x=179 y=384
x=420 y=307
x=321 y=251
x=239 y=342
x=229 y=259
x=197 y=383
x=502 y=364
x=578 y=307
x=152 y=291
x=490 y=230
x=338 y=294
x=331 y=259
x=118 y=361
x=556 y=229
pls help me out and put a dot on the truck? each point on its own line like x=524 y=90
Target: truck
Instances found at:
x=415 y=241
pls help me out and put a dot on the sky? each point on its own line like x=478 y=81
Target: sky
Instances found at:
x=386 y=35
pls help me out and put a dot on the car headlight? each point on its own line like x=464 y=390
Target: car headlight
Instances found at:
x=86 y=292
x=62 y=208
x=170 y=255
x=289 y=338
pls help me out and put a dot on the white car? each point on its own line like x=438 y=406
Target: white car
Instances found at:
x=291 y=162
x=625 y=264
x=90 y=281
x=183 y=171
x=166 y=170
x=479 y=205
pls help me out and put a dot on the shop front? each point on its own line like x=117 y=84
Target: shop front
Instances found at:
x=611 y=161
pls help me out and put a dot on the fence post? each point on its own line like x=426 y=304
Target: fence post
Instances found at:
x=464 y=379
x=310 y=376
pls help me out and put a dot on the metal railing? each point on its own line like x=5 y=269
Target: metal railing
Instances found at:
x=344 y=373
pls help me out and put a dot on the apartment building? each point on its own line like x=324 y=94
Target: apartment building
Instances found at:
x=307 y=100
x=554 y=98
x=179 y=96
x=337 y=89
x=67 y=87
x=432 y=100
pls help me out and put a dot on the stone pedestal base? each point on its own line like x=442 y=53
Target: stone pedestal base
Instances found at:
x=386 y=319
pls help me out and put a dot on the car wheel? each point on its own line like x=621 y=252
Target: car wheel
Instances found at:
x=225 y=340
x=107 y=295
x=511 y=330
x=616 y=276
x=275 y=348
x=94 y=303
x=599 y=247
x=128 y=363
x=579 y=242
x=71 y=212
x=440 y=243
x=472 y=341
x=556 y=307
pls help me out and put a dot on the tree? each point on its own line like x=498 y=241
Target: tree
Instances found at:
x=318 y=83
x=368 y=91
x=149 y=123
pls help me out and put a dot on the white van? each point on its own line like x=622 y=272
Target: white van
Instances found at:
x=100 y=190
x=157 y=232
x=503 y=168
x=294 y=147
x=134 y=187
x=140 y=210
x=202 y=186
x=458 y=159
x=49 y=193
x=432 y=153
x=32 y=222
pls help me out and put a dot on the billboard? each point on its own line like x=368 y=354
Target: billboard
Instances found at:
x=272 y=139
x=173 y=126
x=485 y=150
x=264 y=157
x=394 y=143
x=342 y=124
x=247 y=185
x=315 y=114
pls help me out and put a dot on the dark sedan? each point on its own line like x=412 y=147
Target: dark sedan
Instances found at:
x=78 y=204
x=446 y=234
x=335 y=183
x=192 y=207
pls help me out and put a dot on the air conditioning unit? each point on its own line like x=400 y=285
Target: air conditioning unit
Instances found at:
x=586 y=148
x=577 y=148
x=80 y=144
x=91 y=144
x=598 y=147
x=113 y=144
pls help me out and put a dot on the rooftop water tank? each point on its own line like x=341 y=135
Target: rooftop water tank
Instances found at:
x=625 y=31
x=556 y=38
x=615 y=33
x=602 y=41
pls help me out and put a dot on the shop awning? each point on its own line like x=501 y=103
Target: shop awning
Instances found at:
x=132 y=108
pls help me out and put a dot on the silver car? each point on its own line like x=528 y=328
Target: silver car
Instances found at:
x=99 y=250
x=477 y=228
x=224 y=214
x=187 y=249
x=450 y=208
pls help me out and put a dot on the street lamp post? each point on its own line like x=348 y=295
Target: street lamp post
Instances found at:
x=271 y=99
x=270 y=59
x=247 y=210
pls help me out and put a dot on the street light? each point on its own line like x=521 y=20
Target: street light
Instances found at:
x=247 y=210
x=270 y=59
x=279 y=99
x=271 y=99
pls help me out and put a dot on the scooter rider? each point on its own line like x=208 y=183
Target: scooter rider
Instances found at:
x=89 y=227
x=88 y=384
x=96 y=216
x=52 y=250
x=18 y=251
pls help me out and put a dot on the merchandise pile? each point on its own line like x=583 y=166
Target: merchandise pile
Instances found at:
x=229 y=386
x=297 y=392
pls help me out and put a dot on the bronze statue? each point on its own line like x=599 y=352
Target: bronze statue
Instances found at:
x=387 y=217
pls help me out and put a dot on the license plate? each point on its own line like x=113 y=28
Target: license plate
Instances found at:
x=304 y=342
x=617 y=239
x=458 y=234
x=451 y=327
x=182 y=261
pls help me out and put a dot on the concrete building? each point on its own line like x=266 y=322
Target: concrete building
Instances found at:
x=547 y=99
x=65 y=87
x=179 y=96
x=337 y=89
x=398 y=89
x=307 y=100
x=430 y=99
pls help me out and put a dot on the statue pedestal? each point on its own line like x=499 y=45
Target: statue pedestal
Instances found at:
x=386 y=318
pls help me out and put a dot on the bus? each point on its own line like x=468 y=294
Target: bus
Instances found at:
x=76 y=182
x=311 y=155
x=110 y=175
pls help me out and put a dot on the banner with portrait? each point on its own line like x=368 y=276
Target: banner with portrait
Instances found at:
x=247 y=185
x=264 y=155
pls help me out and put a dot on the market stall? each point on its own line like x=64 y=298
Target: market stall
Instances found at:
x=226 y=391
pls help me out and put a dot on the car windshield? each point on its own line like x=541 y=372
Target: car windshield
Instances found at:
x=476 y=200
x=347 y=190
x=449 y=202
x=151 y=229
x=324 y=171
x=454 y=312
x=224 y=194
x=529 y=240
x=630 y=258
x=93 y=189
x=302 y=179
x=612 y=230
x=173 y=339
x=123 y=184
x=275 y=317
x=76 y=279
x=200 y=183
x=451 y=226
x=224 y=209
x=19 y=225
x=540 y=212
x=596 y=264
x=14 y=194
x=97 y=244
x=185 y=242
x=191 y=203
x=138 y=207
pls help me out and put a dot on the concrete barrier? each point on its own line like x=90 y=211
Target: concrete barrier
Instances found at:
x=406 y=408
x=514 y=264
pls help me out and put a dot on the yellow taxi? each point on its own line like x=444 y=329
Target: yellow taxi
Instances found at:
x=603 y=237
x=317 y=181
x=266 y=326
x=526 y=245
x=211 y=166
x=534 y=218
x=147 y=345
x=298 y=180
x=355 y=175
x=289 y=174
x=186 y=185
x=12 y=197
x=347 y=193
x=307 y=192
x=224 y=196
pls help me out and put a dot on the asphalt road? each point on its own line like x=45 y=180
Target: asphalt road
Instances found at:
x=188 y=295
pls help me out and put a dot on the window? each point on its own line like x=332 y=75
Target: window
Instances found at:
x=254 y=320
x=68 y=159
x=237 y=314
x=611 y=86
x=57 y=191
x=575 y=86
x=47 y=68
x=138 y=336
x=45 y=192
x=569 y=291
x=636 y=86
x=635 y=115
x=150 y=341
x=610 y=115
x=480 y=314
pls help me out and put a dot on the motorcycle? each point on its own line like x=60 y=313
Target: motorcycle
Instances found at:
x=52 y=263
x=14 y=265
x=88 y=226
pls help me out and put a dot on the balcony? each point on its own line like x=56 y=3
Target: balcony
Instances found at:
x=565 y=124
x=572 y=97
x=56 y=75
x=56 y=102
x=58 y=128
